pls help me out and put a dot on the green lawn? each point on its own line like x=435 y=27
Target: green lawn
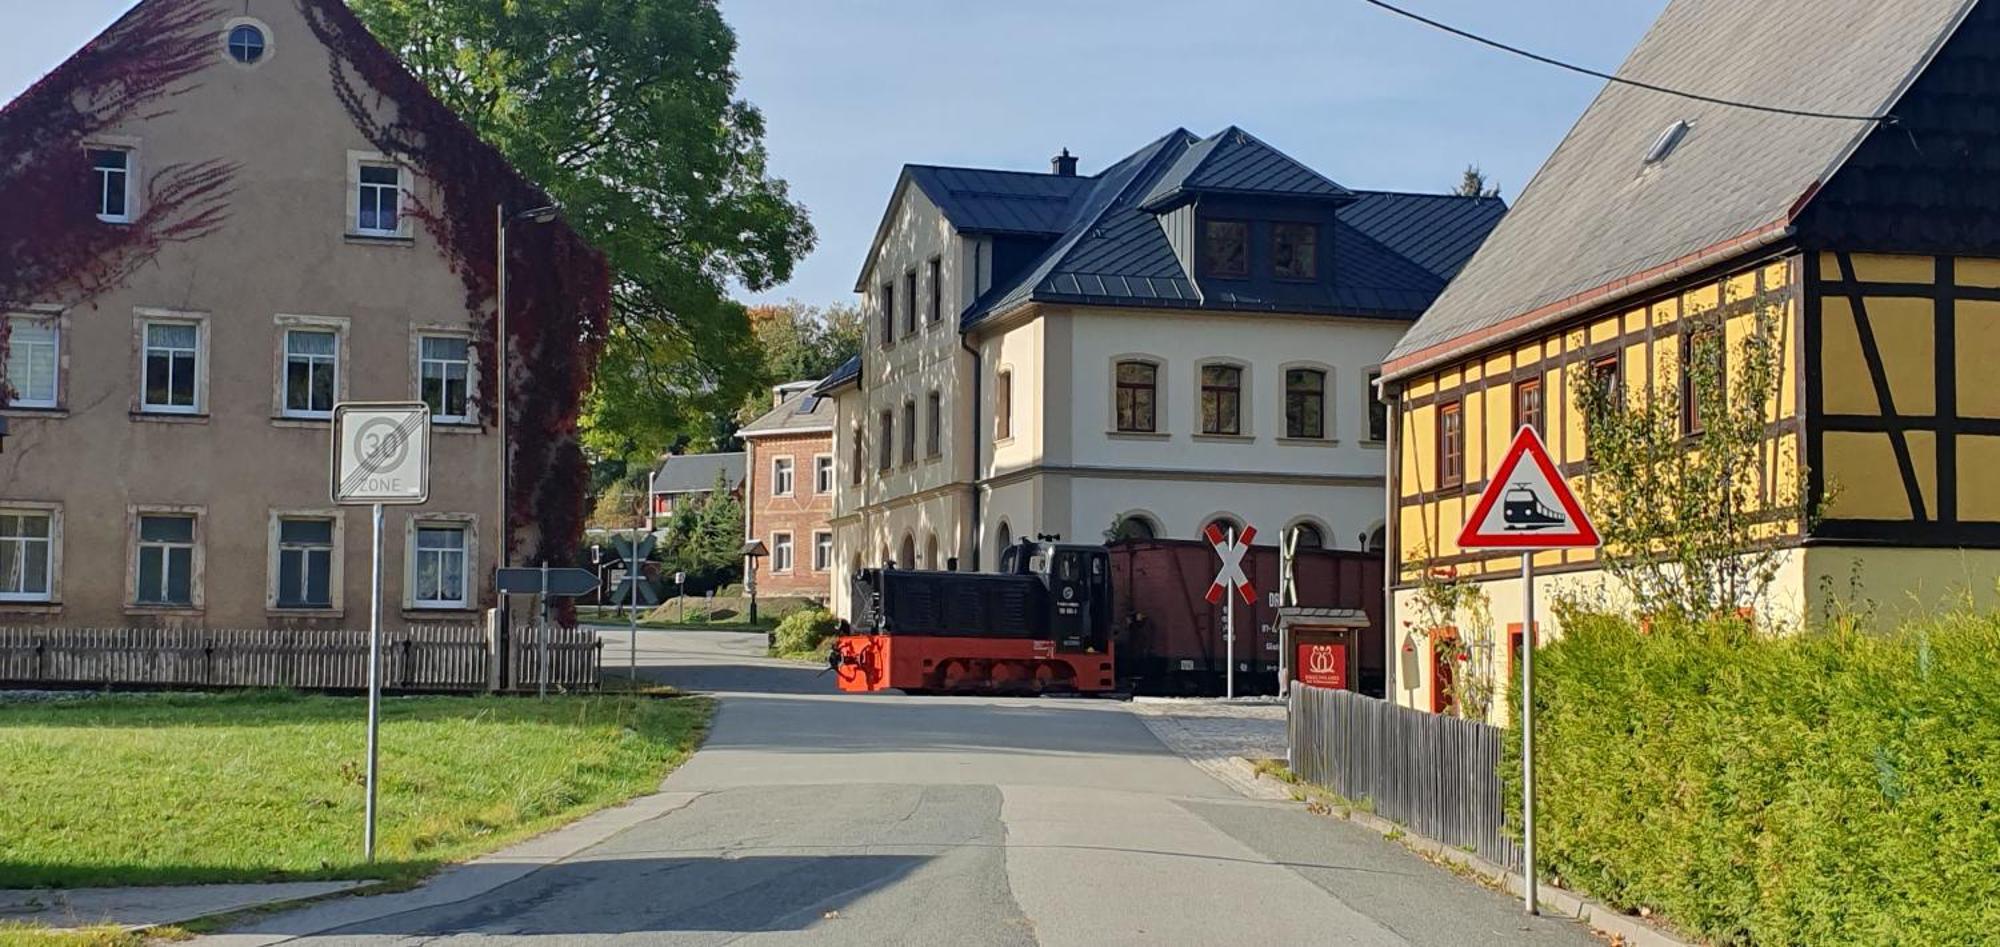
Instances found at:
x=183 y=789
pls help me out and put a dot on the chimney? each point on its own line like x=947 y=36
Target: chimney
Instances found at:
x=1063 y=165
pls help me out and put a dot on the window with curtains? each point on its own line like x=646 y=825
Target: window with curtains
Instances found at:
x=439 y=566
x=1305 y=403
x=312 y=366
x=27 y=555
x=1221 y=399
x=34 y=357
x=1138 y=397
x=445 y=377
x=172 y=357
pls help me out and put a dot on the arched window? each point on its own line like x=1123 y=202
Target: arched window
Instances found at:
x=1310 y=536
x=1006 y=537
x=1225 y=524
x=1136 y=526
x=931 y=560
x=1379 y=539
x=1138 y=397
x=909 y=560
x=1221 y=399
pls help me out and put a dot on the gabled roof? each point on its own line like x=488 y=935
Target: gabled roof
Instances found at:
x=803 y=412
x=1234 y=161
x=982 y=201
x=1390 y=253
x=1598 y=223
x=848 y=372
x=696 y=473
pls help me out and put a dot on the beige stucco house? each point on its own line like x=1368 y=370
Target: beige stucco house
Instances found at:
x=169 y=443
x=1186 y=337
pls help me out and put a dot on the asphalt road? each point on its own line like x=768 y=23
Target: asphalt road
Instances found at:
x=819 y=818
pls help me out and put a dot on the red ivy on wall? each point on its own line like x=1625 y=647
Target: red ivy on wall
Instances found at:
x=53 y=249
x=558 y=286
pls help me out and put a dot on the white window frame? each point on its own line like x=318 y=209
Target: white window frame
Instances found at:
x=822 y=543
x=468 y=525
x=145 y=318
x=422 y=362
x=54 y=322
x=783 y=554
x=52 y=565
x=130 y=148
x=783 y=481
x=356 y=160
x=197 y=559
x=823 y=474
x=287 y=323
x=313 y=363
x=274 y=561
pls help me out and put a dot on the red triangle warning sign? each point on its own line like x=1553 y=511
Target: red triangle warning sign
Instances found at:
x=1527 y=505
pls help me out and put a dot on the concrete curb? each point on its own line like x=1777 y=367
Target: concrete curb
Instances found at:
x=460 y=883
x=1557 y=902
x=140 y=908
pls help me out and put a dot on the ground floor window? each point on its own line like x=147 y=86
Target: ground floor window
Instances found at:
x=166 y=559
x=822 y=551
x=27 y=553
x=440 y=566
x=305 y=563
x=781 y=552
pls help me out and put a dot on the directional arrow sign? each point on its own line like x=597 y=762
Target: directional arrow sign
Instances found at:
x=561 y=581
x=1527 y=504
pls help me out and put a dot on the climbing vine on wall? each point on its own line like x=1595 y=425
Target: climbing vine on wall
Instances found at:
x=53 y=248
x=558 y=286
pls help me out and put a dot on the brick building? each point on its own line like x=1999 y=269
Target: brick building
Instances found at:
x=789 y=483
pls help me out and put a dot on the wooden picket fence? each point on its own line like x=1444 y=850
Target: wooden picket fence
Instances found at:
x=417 y=658
x=1437 y=775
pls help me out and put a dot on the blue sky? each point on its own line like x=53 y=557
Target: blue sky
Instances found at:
x=853 y=89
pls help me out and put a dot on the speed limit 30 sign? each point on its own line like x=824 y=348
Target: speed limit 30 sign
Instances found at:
x=381 y=453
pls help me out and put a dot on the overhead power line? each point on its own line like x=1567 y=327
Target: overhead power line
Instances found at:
x=1884 y=118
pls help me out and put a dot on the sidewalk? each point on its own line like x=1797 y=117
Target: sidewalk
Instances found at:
x=151 y=906
x=1222 y=737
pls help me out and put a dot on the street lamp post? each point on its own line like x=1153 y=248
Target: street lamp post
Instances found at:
x=538 y=215
x=752 y=551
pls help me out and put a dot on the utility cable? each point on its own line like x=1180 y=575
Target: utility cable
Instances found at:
x=1884 y=118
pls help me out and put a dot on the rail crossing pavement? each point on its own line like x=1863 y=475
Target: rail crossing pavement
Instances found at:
x=1528 y=506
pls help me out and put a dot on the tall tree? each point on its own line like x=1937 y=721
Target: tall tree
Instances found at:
x=626 y=111
x=1473 y=184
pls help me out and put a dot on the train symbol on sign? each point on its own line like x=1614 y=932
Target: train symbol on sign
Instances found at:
x=1523 y=509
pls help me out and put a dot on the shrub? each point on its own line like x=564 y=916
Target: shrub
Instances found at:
x=1835 y=787
x=804 y=631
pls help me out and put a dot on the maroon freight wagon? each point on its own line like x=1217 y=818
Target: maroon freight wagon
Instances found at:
x=1170 y=639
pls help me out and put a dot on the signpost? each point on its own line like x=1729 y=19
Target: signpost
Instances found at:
x=544 y=582
x=1230 y=578
x=381 y=456
x=635 y=551
x=1528 y=506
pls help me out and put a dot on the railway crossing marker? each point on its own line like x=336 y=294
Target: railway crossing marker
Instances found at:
x=381 y=456
x=1527 y=505
x=1231 y=547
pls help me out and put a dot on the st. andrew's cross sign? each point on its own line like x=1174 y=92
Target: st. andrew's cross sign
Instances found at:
x=1231 y=576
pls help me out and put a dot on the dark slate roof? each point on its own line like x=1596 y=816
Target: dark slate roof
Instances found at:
x=1234 y=161
x=1391 y=253
x=1596 y=221
x=842 y=376
x=802 y=411
x=696 y=473
x=980 y=200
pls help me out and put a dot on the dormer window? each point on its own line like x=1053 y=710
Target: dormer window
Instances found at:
x=1225 y=248
x=1295 y=251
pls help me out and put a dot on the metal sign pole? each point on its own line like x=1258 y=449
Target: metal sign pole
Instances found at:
x=542 y=684
x=1528 y=731
x=632 y=574
x=374 y=683
x=1229 y=621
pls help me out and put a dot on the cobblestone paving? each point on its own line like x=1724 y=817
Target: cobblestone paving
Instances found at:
x=1213 y=734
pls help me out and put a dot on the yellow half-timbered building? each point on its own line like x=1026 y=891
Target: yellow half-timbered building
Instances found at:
x=1862 y=218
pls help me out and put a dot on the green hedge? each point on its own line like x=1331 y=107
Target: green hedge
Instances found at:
x=804 y=632
x=1828 y=788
